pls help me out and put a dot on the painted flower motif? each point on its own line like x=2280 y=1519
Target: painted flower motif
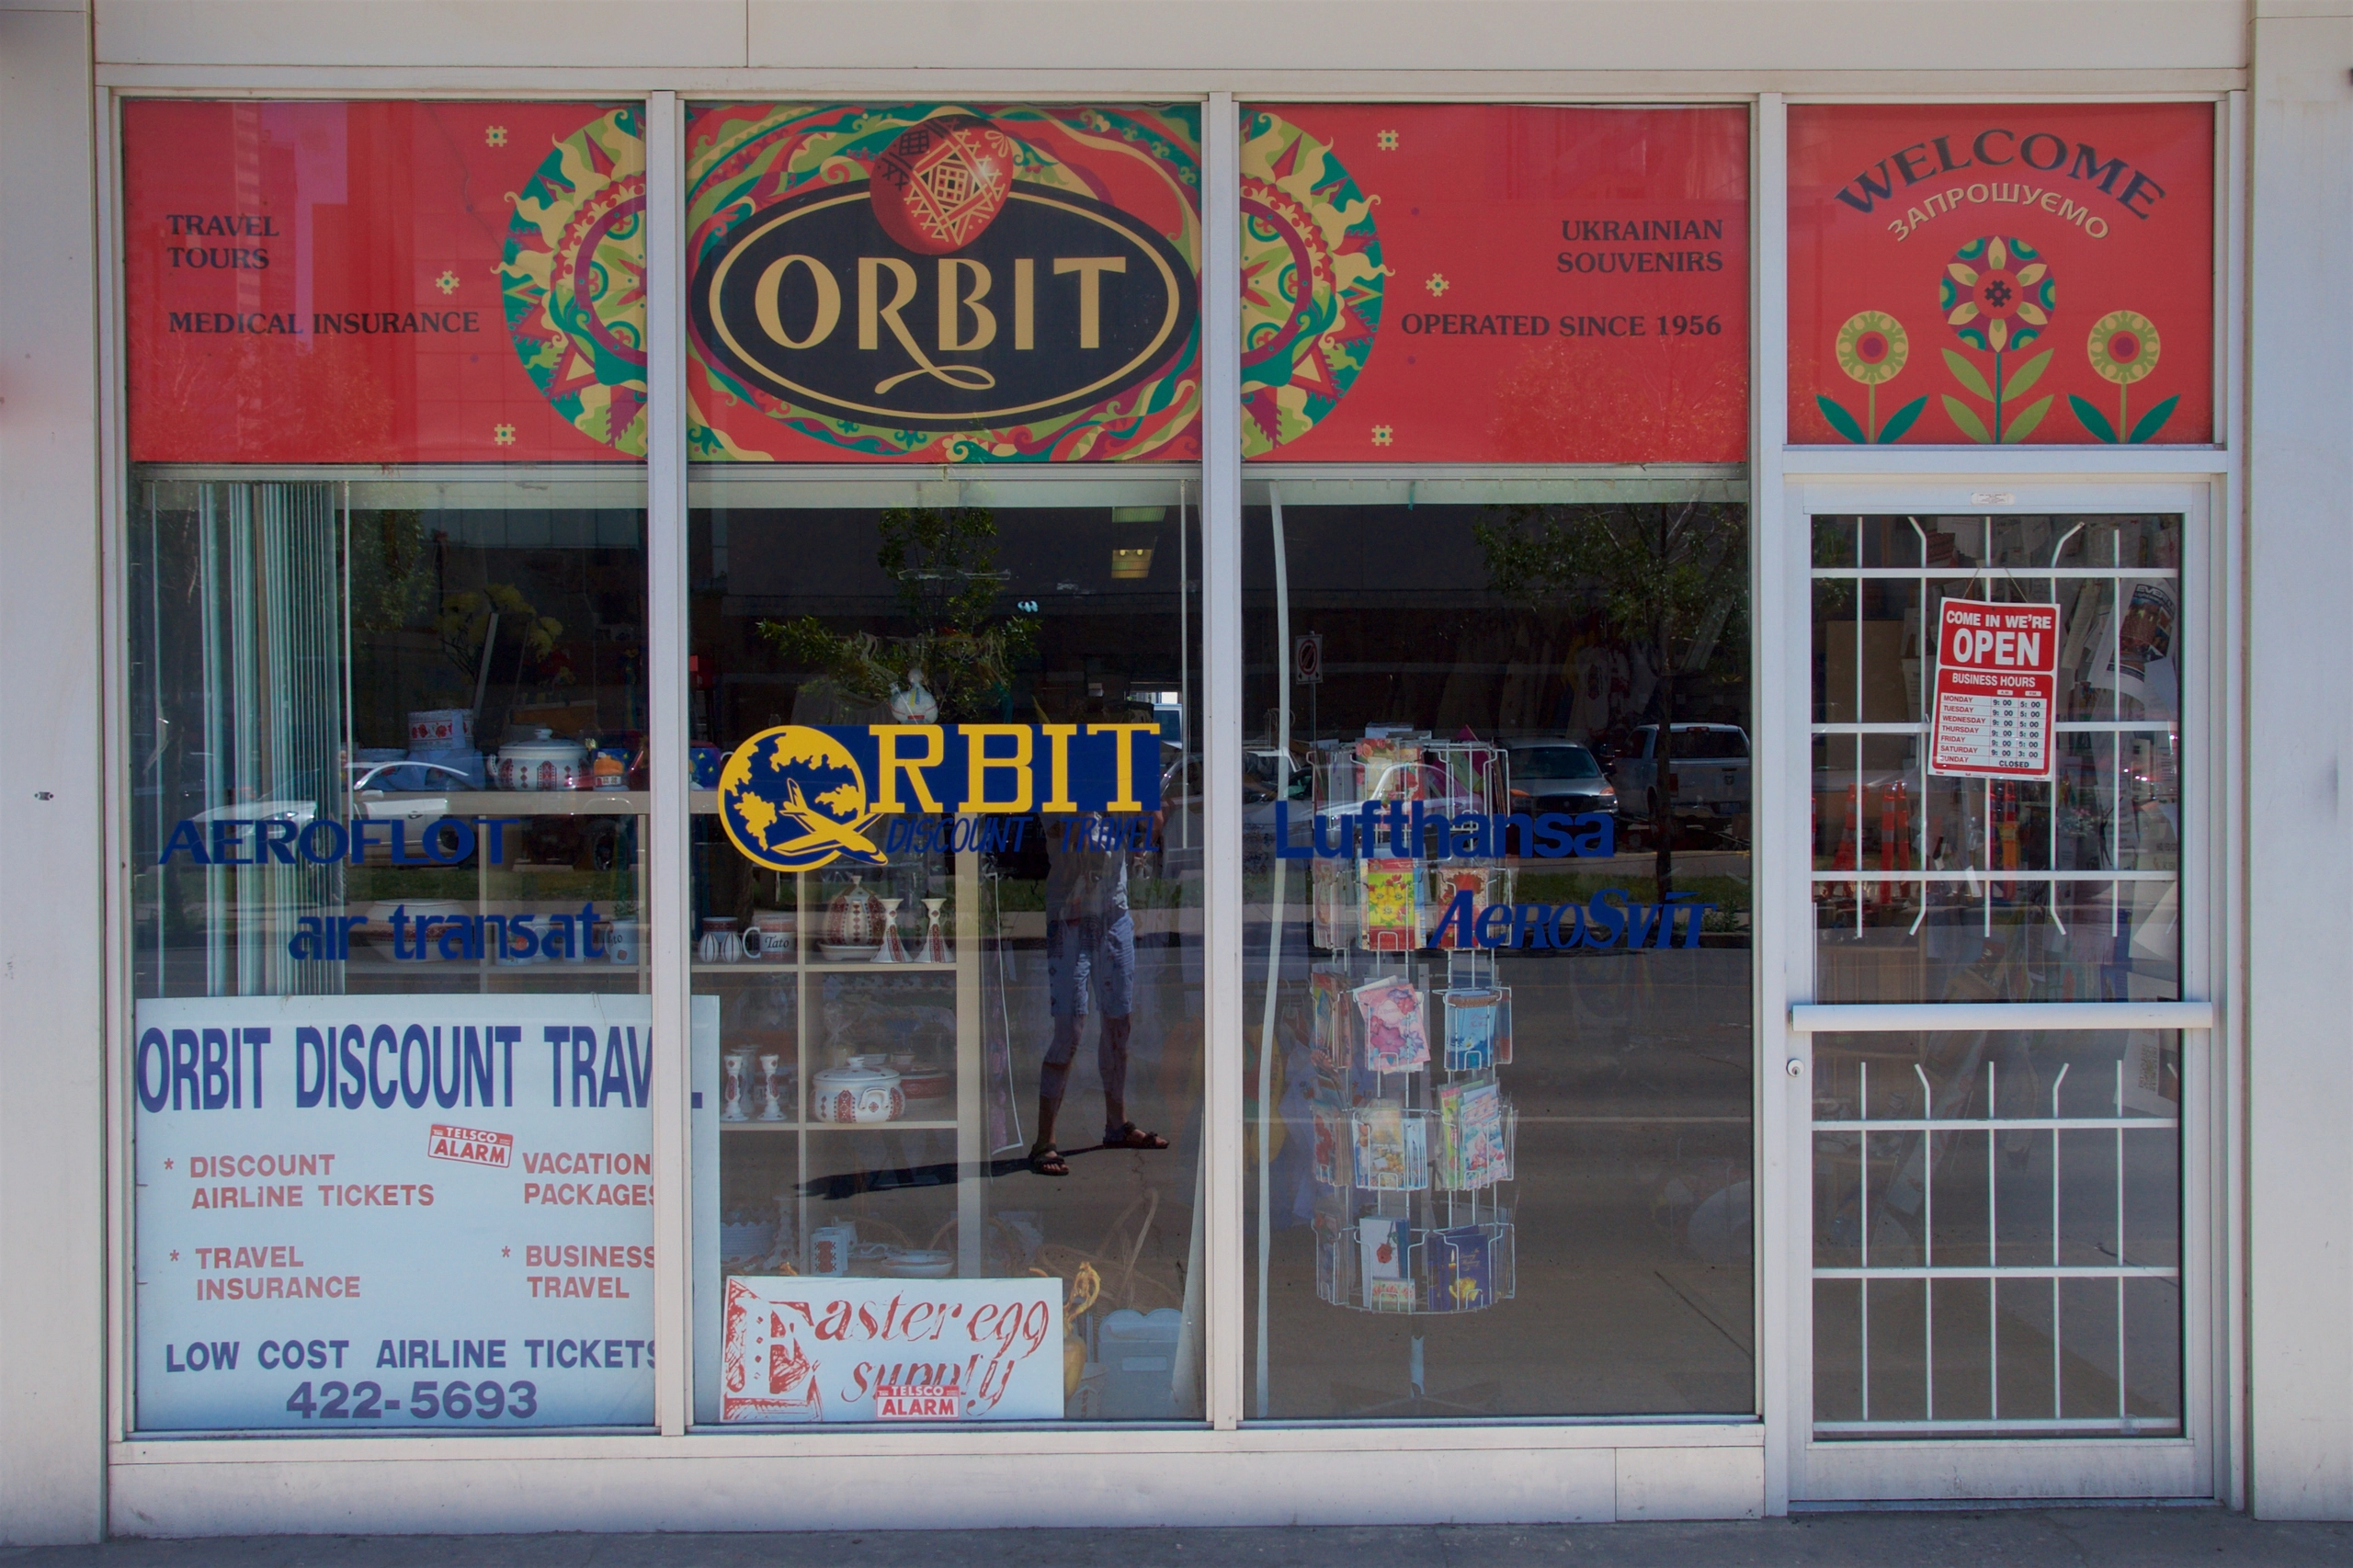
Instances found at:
x=1872 y=347
x=1385 y=140
x=1383 y=435
x=502 y=434
x=2123 y=346
x=495 y=136
x=1436 y=283
x=1996 y=293
x=446 y=283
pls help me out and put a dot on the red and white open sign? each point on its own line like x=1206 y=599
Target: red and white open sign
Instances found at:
x=1997 y=685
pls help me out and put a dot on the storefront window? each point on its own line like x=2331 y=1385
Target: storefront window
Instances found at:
x=1497 y=806
x=1497 y=1001
x=1997 y=1214
x=2060 y=884
x=1997 y=1234
x=946 y=866
x=392 y=1043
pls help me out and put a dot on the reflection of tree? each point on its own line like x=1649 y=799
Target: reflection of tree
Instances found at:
x=1579 y=401
x=326 y=402
x=390 y=582
x=944 y=561
x=397 y=573
x=1663 y=577
x=463 y=627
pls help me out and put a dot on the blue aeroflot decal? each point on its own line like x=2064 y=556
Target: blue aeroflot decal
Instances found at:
x=324 y=842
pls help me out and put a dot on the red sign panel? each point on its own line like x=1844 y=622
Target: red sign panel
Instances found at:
x=943 y=283
x=1998 y=683
x=1481 y=283
x=2002 y=273
x=384 y=282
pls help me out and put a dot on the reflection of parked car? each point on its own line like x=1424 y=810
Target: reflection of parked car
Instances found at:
x=1553 y=775
x=1268 y=776
x=1707 y=777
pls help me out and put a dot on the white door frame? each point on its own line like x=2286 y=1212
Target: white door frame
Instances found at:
x=2194 y=1464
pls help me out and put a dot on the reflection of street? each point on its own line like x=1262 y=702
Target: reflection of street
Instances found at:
x=2015 y=1352
x=1632 y=1078
x=1126 y=1213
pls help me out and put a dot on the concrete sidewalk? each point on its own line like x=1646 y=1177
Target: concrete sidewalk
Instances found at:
x=2026 y=1538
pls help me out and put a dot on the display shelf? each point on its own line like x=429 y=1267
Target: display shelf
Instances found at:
x=904 y=1124
x=847 y=966
x=863 y=966
x=960 y=1113
x=387 y=805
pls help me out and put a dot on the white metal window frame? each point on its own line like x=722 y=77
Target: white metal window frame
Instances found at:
x=1336 y=1473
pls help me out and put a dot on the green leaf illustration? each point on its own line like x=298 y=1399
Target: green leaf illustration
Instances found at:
x=1967 y=374
x=1966 y=418
x=2091 y=418
x=2149 y=422
x=1840 y=420
x=1900 y=420
x=2028 y=374
x=2023 y=426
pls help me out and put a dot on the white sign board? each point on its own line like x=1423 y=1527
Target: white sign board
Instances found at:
x=394 y=1214
x=833 y=1348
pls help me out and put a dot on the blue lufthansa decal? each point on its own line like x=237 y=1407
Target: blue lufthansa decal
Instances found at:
x=1398 y=830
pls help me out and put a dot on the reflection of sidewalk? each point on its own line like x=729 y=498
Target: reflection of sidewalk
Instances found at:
x=1029 y=925
x=2022 y=1538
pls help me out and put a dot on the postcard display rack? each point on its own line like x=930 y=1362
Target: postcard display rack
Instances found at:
x=1414 y=1137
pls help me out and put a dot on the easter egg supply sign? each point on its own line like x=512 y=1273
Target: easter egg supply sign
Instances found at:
x=1997 y=685
x=321 y=282
x=395 y=1213
x=1998 y=274
x=1495 y=283
x=825 y=1349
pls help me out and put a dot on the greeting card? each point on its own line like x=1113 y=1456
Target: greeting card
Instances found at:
x=1461 y=1270
x=1393 y=910
x=1470 y=1018
x=1394 y=1039
x=1381 y=1243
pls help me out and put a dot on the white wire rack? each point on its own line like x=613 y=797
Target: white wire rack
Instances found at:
x=1911 y=1188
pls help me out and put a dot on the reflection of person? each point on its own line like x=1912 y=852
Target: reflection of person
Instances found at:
x=1090 y=961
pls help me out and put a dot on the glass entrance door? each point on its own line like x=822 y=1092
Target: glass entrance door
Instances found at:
x=2001 y=1173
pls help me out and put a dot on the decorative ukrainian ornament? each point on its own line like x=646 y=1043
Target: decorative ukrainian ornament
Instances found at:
x=942 y=182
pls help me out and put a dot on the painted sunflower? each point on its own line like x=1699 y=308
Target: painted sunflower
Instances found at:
x=2123 y=346
x=1996 y=293
x=1872 y=347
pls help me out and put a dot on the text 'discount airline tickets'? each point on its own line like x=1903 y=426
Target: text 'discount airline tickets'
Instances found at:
x=394 y=1212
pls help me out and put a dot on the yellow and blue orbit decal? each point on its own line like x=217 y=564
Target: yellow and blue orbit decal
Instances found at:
x=797 y=797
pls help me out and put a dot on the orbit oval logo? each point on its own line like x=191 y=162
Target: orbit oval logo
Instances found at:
x=793 y=799
x=1061 y=302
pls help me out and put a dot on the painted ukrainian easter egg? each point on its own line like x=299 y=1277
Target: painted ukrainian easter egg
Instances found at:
x=942 y=182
